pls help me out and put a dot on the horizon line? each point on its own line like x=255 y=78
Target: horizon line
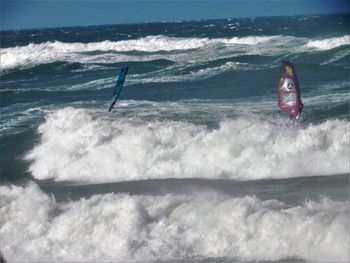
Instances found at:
x=177 y=21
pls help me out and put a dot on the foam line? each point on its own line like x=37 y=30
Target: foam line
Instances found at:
x=330 y=43
x=123 y=228
x=77 y=146
x=34 y=54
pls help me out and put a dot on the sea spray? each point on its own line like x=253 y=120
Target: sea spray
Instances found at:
x=76 y=146
x=48 y=52
x=121 y=227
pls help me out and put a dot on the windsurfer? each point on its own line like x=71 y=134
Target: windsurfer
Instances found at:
x=293 y=115
x=289 y=99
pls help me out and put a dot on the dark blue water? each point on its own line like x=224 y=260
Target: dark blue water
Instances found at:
x=196 y=163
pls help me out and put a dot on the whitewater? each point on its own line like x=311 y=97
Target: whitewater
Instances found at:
x=162 y=149
x=196 y=163
x=139 y=228
x=48 y=52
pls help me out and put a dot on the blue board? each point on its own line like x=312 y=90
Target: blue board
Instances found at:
x=118 y=86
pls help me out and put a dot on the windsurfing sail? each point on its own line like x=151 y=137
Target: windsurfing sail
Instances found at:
x=288 y=90
x=118 y=86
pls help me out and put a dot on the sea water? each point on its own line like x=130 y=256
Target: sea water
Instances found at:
x=196 y=163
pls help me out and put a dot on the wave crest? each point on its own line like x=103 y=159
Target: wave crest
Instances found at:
x=76 y=146
x=54 y=51
x=121 y=227
x=106 y=51
x=330 y=43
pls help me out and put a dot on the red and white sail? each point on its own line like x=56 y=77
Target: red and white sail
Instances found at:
x=288 y=90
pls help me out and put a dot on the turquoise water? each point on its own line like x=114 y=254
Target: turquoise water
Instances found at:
x=196 y=163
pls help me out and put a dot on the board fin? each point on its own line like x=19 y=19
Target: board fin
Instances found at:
x=118 y=86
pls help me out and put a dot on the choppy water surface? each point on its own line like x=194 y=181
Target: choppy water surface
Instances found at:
x=197 y=163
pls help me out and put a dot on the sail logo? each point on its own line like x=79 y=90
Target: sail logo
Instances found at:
x=289 y=70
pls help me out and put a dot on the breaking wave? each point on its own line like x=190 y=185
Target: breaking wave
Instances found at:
x=330 y=43
x=107 y=51
x=78 y=146
x=54 y=51
x=121 y=227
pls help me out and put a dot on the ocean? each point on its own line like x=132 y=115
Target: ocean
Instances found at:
x=196 y=163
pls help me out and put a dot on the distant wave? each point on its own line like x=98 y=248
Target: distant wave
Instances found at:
x=126 y=228
x=107 y=51
x=51 y=51
x=330 y=43
x=159 y=76
x=192 y=75
x=76 y=146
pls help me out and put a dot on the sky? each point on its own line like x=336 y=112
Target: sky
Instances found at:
x=41 y=14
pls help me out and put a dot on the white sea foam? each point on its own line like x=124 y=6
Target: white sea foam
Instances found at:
x=119 y=228
x=76 y=145
x=330 y=43
x=34 y=54
x=107 y=51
